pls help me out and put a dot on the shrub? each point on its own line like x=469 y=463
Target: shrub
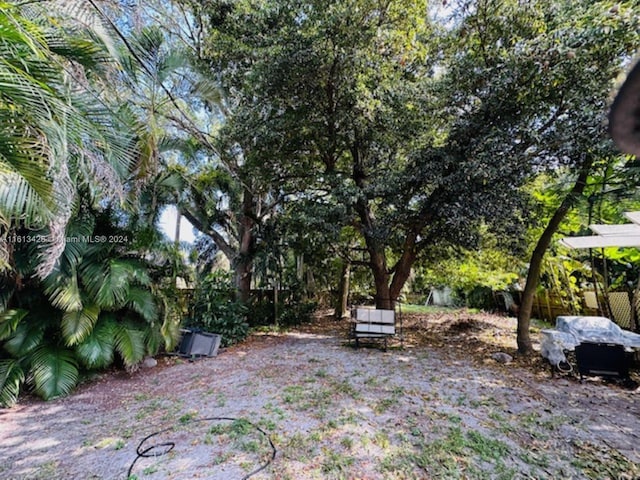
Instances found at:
x=217 y=310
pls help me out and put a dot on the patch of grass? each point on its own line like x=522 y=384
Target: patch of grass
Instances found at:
x=458 y=454
x=152 y=407
x=486 y=448
x=599 y=461
x=293 y=394
x=382 y=440
x=240 y=428
x=275 y=411
x=424 y=309
x=250 y=447
x=348 y=418
x=535 y=458
x=334 y=462
x=372 y=381
x=187 y=417
x=299 y=447
x=46 y=471
x=345 y=388
x=221 y=400
x=267 y=424
x=347 y=442
x=150 y=470
x=383 y=405
x=398 y=390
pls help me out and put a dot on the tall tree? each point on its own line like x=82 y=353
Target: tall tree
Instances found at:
x=595 y=40
x=422 y=129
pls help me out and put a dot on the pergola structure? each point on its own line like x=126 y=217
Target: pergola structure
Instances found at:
x=624 y=128
x=625 y=235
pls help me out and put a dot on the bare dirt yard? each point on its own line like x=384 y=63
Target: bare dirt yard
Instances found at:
x=303 y=404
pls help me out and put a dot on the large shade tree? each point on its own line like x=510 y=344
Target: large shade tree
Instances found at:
x=421 y=130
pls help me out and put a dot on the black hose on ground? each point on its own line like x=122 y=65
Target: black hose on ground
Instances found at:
x=166 y=447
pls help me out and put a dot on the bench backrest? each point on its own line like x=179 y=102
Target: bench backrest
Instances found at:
x=375 y=321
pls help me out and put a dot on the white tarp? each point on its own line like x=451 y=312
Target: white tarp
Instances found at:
x=571 y=331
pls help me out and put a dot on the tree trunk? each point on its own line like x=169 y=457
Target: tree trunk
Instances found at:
x=380 y=277
x=525 y=346
x=176 y=238
x=243 y=264
x=343 y=292
x=377 y=257
x=402 y=269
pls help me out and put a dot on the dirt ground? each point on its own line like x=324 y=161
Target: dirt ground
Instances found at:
x=304 y=404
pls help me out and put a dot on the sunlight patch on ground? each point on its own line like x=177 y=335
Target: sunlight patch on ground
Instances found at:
x=306 y=336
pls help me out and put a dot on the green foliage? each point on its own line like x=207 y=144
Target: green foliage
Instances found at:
x=55 y=137
x=54 y=370
x=9 y=321
x=217 y=310
x=11 y=379
x=490 y=267
x=26 y=338
x=85 y=278
x=291 y=312
x=297 y=313
x=97 y=350
x=78 y=325
x=118 y=318
x=129 y=342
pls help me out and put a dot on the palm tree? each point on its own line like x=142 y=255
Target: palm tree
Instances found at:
x=57 y=133
x=65 y=160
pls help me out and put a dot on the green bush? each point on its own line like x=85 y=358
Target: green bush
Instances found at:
x=291 y=311
x=296 y=313
x=261 y=313
x=482 y=298
x=217 y=310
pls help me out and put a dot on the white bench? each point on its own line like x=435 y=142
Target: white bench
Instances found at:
x=372 y=323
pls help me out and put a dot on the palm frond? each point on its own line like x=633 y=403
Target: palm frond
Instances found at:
x=11 y=379
x=76 y=248
x=25 y=338
x=143 y=303
x=153 y=340
x=171 y=322
x=96 y=351
x=25 y=157
x=18 y=199
x=130 y=344
x=78 y=325
x=9 y=321
x=109 y=284
x=63 y=291
x=80 y=13
x=54 y=371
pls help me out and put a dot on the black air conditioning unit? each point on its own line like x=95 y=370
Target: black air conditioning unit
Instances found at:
x=199 y=344
x=602 y=359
